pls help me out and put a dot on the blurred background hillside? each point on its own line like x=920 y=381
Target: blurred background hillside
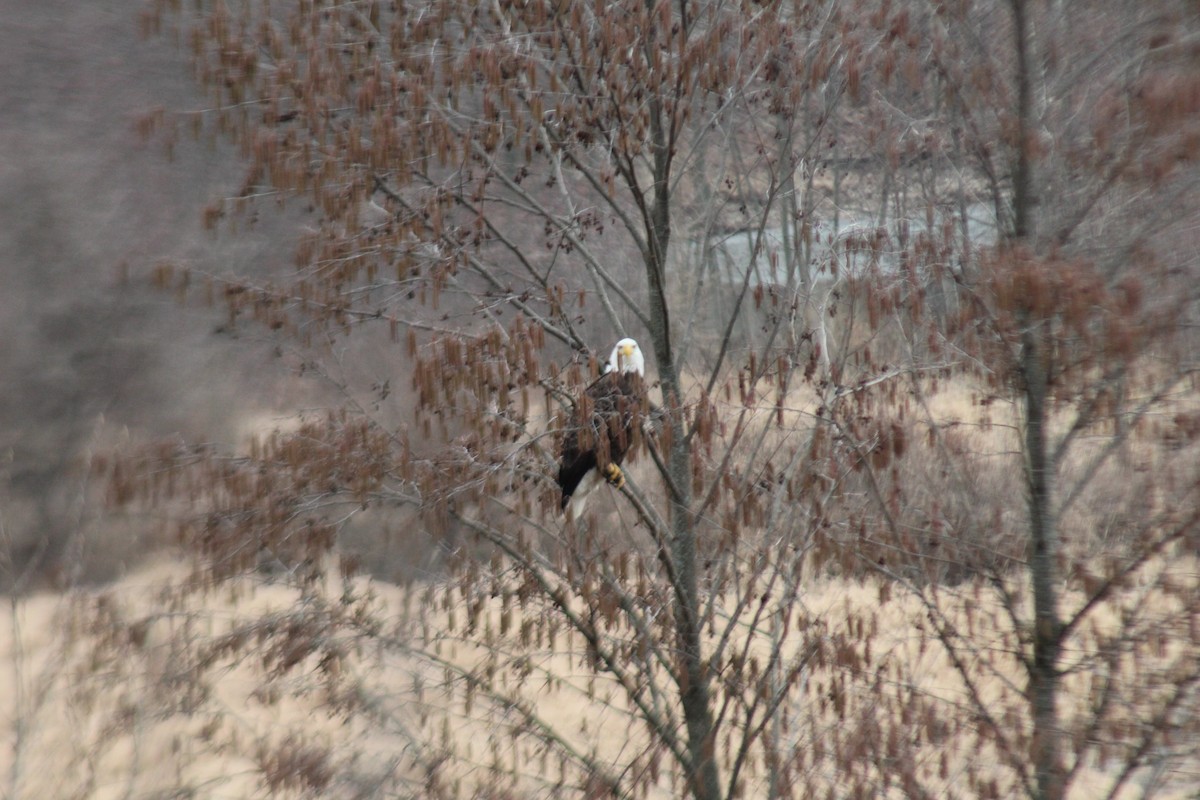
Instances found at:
x=90 y=352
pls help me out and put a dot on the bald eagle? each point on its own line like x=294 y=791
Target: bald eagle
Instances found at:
x=603 y=428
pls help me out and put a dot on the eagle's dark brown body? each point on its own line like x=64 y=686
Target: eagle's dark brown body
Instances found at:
x=605 y=427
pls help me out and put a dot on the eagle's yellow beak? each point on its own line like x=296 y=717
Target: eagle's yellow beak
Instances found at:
x=627 y=350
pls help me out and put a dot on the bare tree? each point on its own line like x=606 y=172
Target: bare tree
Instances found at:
x=499 y=158
x=1065 y=122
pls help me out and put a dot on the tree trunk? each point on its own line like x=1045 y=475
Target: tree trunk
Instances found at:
x=1044 y=677
x=1043 y=568
x=692 y=674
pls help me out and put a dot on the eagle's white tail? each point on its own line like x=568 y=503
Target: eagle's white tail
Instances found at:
x=591 y=479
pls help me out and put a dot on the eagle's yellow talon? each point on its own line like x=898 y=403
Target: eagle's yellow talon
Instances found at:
x=614 y=476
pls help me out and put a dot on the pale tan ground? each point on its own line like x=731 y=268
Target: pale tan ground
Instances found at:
x=85 y=713
x=78 y=725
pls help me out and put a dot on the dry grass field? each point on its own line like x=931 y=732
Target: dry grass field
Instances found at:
x=136 y=692
x=159 y=685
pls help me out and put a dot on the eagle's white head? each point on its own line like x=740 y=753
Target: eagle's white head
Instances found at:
x=626 y=357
